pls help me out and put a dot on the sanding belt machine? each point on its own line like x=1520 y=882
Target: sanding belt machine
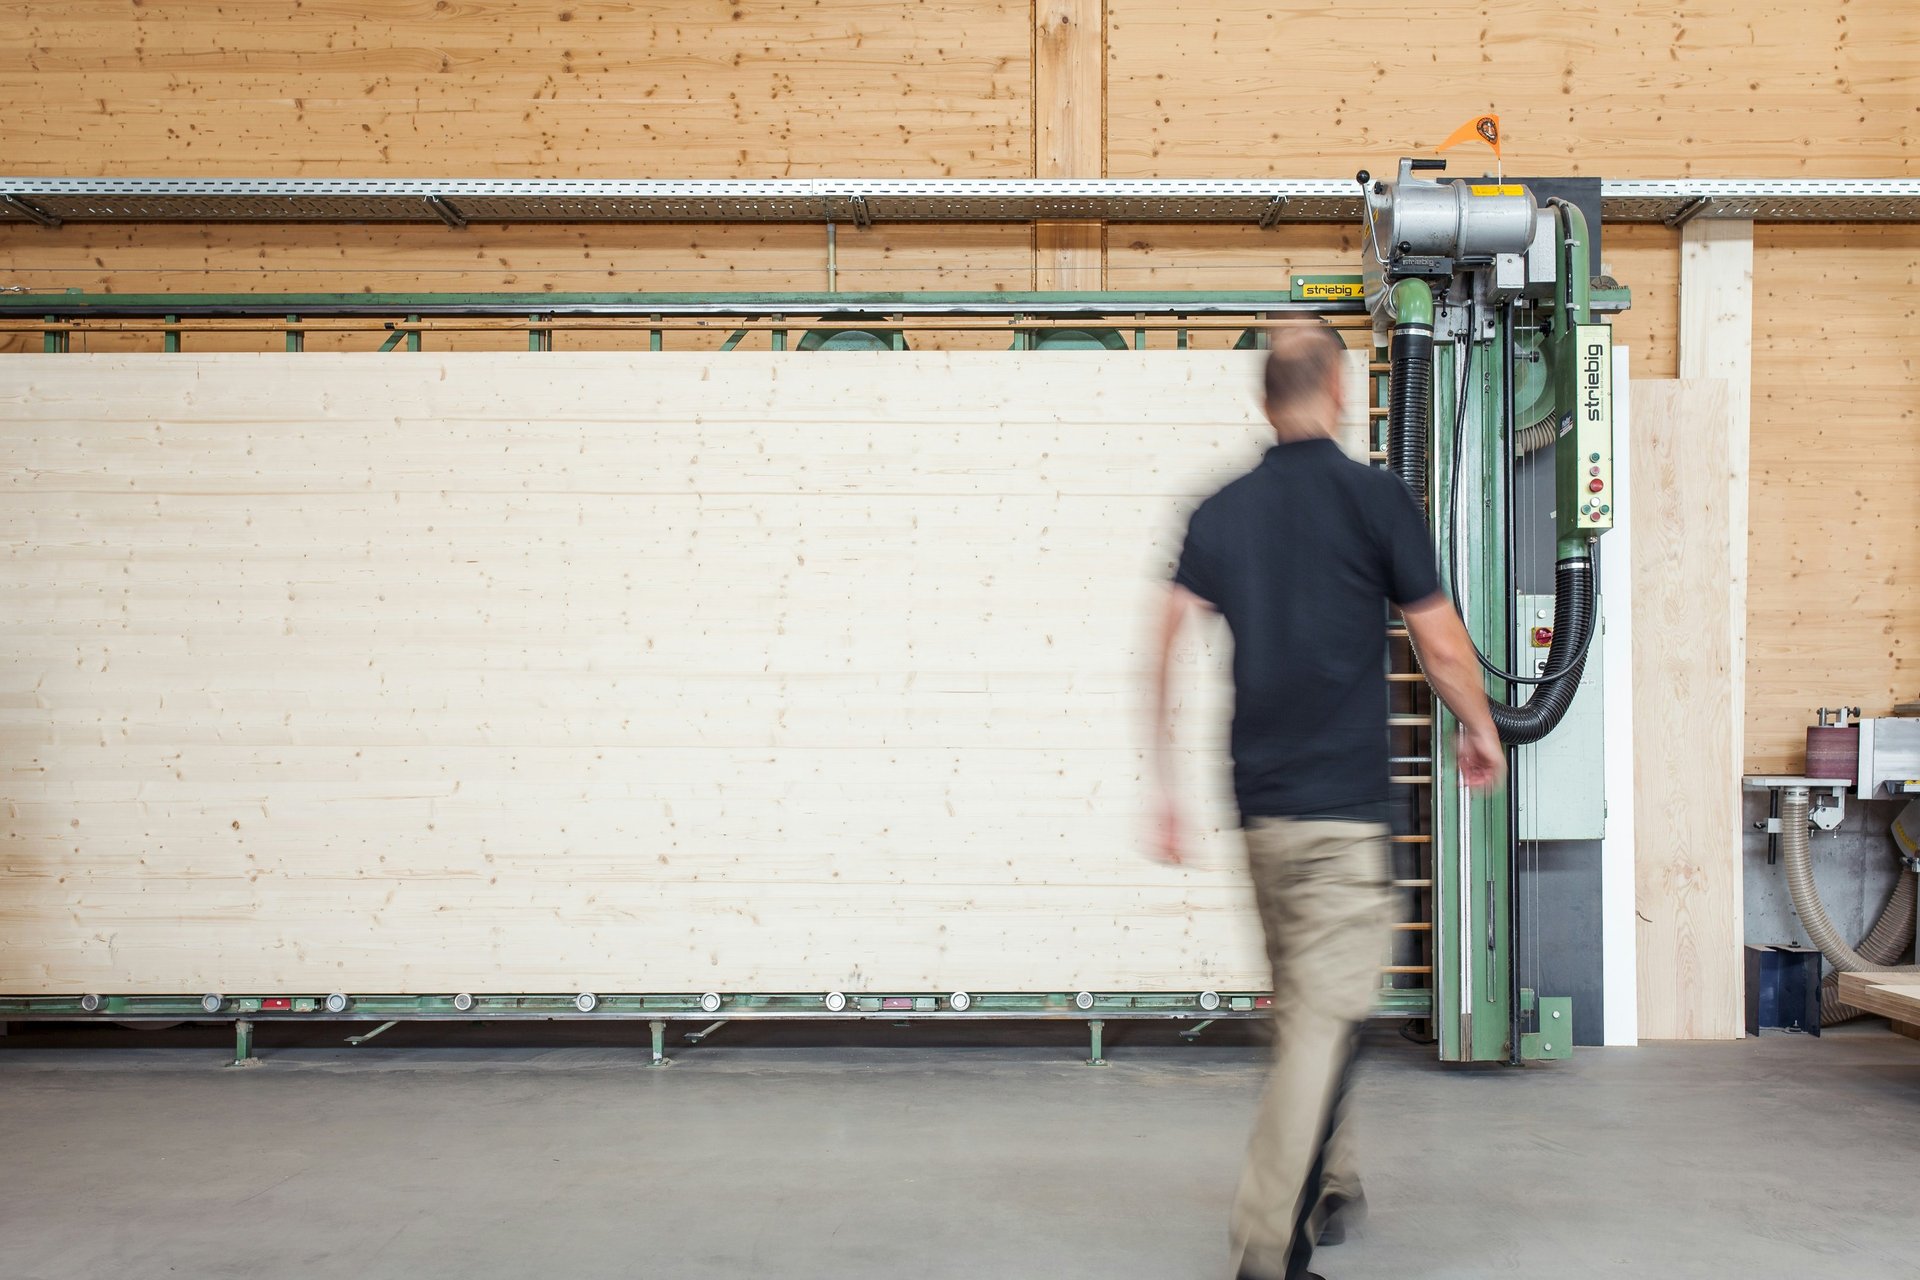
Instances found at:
x=1875 y=758
x=1483 y=295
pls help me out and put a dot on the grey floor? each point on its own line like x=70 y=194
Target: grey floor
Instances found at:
x=446 y=1156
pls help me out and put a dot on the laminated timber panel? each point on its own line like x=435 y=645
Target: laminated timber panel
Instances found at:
x=592 y=671
x=553 y=88
x=1834 y=600
x=1686 y=762
x=1727 y=88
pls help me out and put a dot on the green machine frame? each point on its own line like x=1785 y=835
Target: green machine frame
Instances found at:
x=1460 y=908
x=1457 y=344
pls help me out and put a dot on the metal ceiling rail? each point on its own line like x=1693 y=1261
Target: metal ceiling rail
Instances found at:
x=52 y=202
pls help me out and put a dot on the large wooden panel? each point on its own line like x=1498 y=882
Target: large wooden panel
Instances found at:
x=595 y=671
x=1724 y=88
x=548 y=88
x=1835 y=599
x=1686 y=729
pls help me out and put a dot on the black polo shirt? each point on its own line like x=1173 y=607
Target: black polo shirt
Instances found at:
x=1302 y=555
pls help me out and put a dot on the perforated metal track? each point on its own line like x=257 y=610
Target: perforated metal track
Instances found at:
x=1269 y=202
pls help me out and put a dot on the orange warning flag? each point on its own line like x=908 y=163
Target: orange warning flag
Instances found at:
x=1485 y=128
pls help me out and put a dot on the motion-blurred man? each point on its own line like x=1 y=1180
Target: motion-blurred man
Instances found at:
x=1302 y=556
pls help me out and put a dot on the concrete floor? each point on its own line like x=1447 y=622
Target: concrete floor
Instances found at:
x=453 y=1152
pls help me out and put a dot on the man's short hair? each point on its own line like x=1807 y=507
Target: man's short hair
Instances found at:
x=1299 y=363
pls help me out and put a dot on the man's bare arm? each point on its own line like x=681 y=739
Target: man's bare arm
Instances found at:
x=1446 y=655
x=1170 y=841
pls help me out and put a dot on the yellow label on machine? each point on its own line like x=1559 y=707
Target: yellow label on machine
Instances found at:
x=1507 y=189
x=1325 y=289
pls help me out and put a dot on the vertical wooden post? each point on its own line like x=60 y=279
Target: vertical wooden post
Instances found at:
x=1069 y=134
x=1716 y=341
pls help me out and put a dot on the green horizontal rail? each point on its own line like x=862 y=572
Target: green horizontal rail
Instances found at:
x=75 y=304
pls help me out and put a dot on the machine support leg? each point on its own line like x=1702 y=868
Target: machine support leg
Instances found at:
x=1095 y=1029
x=659 y=1030
x=243 y=1044
x=379 y=1030
x=697 y=1036
x=1192 y=1033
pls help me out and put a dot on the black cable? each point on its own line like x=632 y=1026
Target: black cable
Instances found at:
x=1573 y=660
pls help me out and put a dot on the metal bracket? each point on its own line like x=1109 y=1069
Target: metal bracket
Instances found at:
x=1095 y=1028
x=862 y=216
x=447 y=213
x=1554 y=1040
x=32 y=212
x=1275 y=207
x=383 y=1027
x=1826 y=813
x=1688 y=212
x=243 y=1044
x=657 y=1031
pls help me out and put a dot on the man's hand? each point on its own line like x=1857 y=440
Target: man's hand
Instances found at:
x=1169 y=833
x=1446 y=655
x=1482 y=760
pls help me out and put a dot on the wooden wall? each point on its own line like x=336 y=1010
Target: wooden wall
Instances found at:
x=969 y=88
x=450 y=672
x=1834 y=548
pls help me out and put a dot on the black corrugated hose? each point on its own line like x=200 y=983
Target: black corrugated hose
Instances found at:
x=1410 y=406
x=1409 y=411
x=1572 y=630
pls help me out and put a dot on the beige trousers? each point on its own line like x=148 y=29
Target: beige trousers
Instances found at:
x=1322 y=891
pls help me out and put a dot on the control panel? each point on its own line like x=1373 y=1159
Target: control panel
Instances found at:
x=1585 y=437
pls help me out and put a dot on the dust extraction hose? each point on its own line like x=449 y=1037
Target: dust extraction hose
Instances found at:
x=1572 y=631
x=1409 y=410
x=1889 y=939
x=1410 y=405
x=1797 y=856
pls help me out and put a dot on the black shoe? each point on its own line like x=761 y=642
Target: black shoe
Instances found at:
x=1340 y=1210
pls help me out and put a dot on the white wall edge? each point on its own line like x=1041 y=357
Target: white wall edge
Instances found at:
x=1619 y=966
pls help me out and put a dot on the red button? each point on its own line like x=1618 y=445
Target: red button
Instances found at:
x=1595 y=486
x=1596 y=517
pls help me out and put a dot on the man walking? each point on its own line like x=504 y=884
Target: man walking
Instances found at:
x=1302 y=556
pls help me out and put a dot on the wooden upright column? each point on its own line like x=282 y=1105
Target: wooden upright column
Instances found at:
x=1069 y=134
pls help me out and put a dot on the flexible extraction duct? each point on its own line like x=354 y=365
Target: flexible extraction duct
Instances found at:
x=1796 y=854
x=1410 y=387
x=1889 y=939
x=1409 y=413
x=1572 y=631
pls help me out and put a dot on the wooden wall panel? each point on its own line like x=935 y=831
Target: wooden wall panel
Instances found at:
x=546 y=88
x=1835 y=598
x=1721 y=88
x=1069 y=134
x=1686 y=763
x=469 y=672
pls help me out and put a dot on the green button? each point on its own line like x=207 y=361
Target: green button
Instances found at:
x=1606 y=510
x=1585 y=507
x=1593 y=457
